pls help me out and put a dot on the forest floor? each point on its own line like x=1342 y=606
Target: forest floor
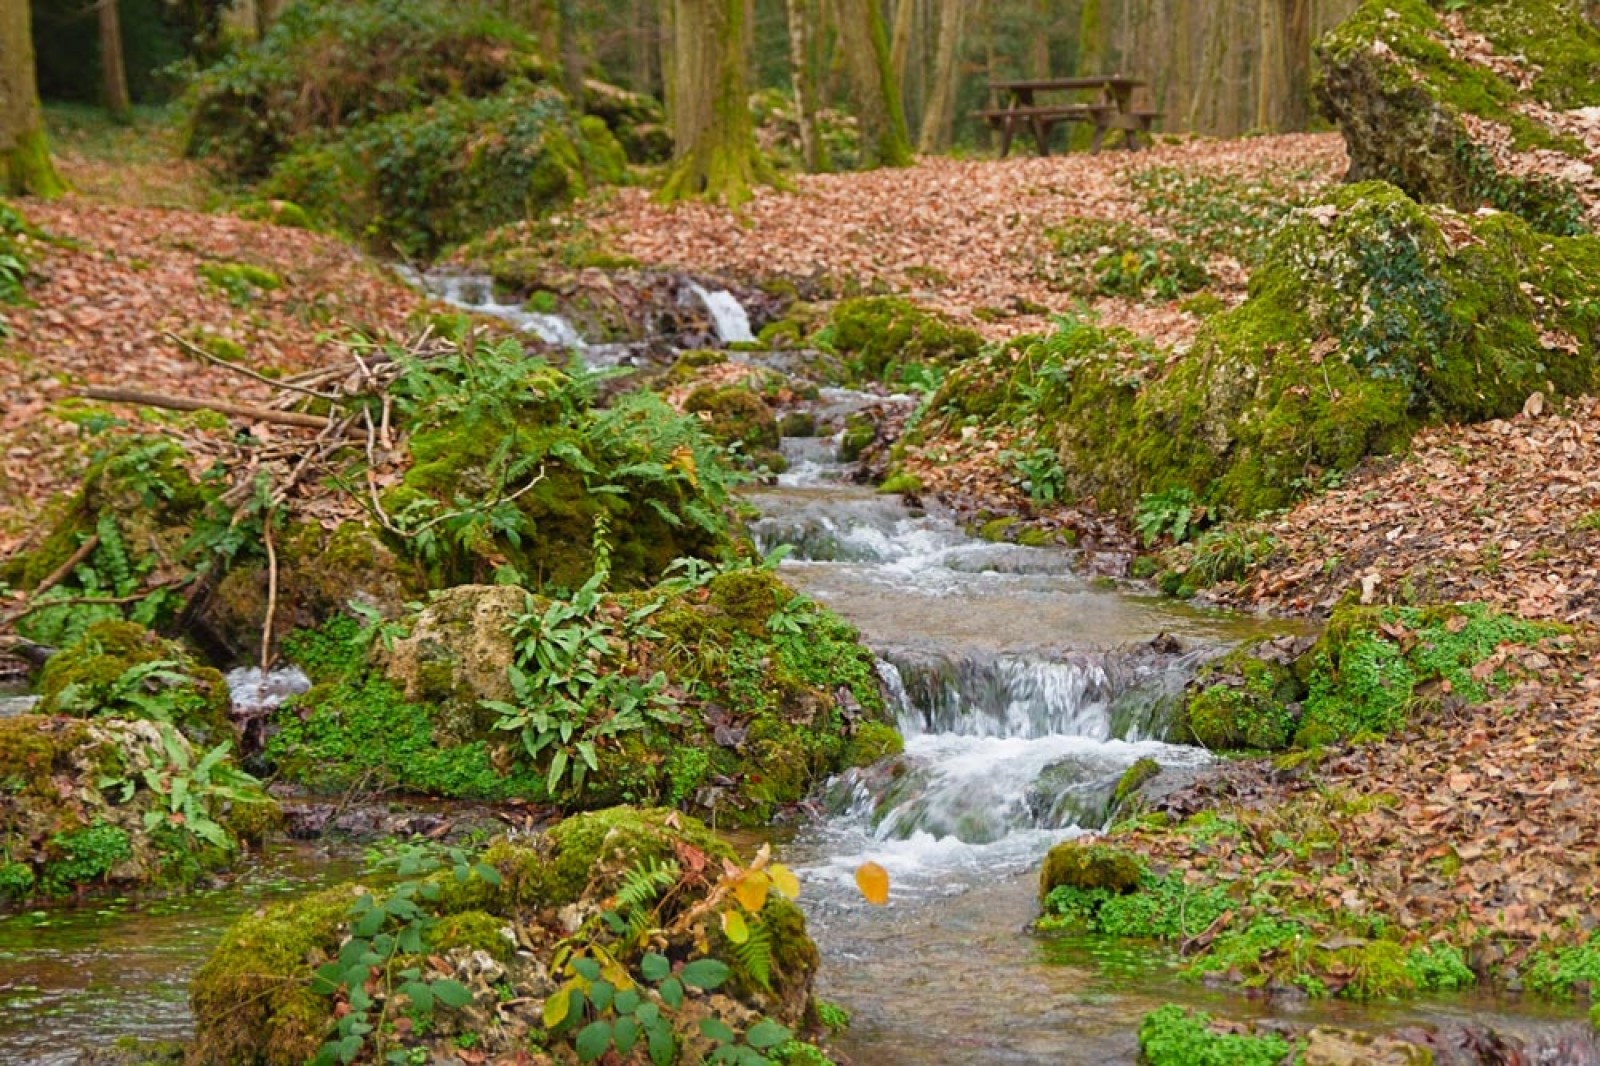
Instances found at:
x=1507 y=513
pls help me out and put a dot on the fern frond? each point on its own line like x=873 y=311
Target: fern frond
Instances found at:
x=755 y=954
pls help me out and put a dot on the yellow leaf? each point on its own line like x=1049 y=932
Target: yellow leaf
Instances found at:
x=557 y=1006
x=873 y=880
x=683 y=459
x=733 y=925
x=784 y=880
x=751 y=891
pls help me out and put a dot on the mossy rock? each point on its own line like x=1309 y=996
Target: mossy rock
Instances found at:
x=320 y=571
x=1132 y=780
x=1242 y=700
x=1411 y=109
x=771 y=695
x=101 y=676
x=860 y=432
x=253 y=1002
x=140 y=503
x=737 y=417
x=94 y=836
x=882 y=336
x=1080 y=865
x=1371 y=317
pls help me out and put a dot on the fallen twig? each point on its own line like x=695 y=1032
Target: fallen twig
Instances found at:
x=183 y=403
x=195 y=349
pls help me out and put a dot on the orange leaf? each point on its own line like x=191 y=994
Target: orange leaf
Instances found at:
x=873 y=880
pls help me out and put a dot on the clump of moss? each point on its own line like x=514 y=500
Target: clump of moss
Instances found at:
x=882 y=337
x=254 y=999
x=1370 y=317
x=125 y=824
x=241 y=283
x=767 y=695
x=1132 y=780
x=122 y=670
x=1410 y=107
x=737 y=417
x=1078 y=865
x=1243 y=701
x=1176 y=1036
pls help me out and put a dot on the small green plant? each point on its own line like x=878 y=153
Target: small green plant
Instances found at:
x=1227 y=554
x=241 y=283
x=1040 y=473
x=1175 y=1036
x=386 y=933
x=188 y=791
x=86 y=855
x=1174 y=513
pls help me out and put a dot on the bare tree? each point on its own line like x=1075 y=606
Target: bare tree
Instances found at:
x=113 y=70
x=713 y=133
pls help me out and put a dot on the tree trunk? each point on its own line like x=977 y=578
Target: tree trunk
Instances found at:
x=905 y=16
x=1091 y=39
x=713 y=135
x=113 y=71
x=1267 y=66
x=1039 y=46
x=939 y=117
x=884 y=139
x=1297 y=19
x=570 y=41
x=25 y=165
x=804 y=94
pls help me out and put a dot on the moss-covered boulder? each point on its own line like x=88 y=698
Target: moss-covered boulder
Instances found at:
x=1249 y=698
x=122 y=670
x=117 y=804
x=1470 y=106
x=125 y=528
x=882 y=338
x=644 y=892
x=1371 y=316
x=425 y=179
x=732 y=695
x=737 y=417
x=1082 y=865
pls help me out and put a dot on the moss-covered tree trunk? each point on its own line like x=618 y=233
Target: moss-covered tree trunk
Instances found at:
x=865 y=40
x=713 y=135
x=25 y=166
x=113 y=70
x=1091 y=38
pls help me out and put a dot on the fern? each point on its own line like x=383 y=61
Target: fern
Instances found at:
x=755 y=954
x=116 y=569
x=641 y=887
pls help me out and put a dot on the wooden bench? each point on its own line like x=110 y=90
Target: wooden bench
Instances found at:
x=1041 y=120
x=1012 y=105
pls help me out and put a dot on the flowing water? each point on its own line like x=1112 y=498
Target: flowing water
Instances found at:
x=1023 y=690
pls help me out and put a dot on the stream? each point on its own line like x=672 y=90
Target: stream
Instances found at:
x=1023 y=690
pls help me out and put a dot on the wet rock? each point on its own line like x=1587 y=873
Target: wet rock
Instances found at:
x=459 y=647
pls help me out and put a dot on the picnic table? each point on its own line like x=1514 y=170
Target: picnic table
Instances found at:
x=1014 y=106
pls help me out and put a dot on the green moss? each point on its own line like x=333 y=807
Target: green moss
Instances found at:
x=474 y=931
x=882 y=337
x=1133 y=779
x=860 y=431
x=901 y=484
x=122 y=670
x=278 y=212
x=1561 y=971
x=16 y=880
x=873 y=742
x=1243 y=701
x=241 y=283
x=1176 y=1036
x=252 y=1001
x=1077 y=865
x=1400 y=95
x=738 y=418
x=1367 y=320
x=1373 y=668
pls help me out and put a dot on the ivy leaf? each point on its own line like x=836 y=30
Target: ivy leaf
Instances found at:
x=452 y=993
x=718 y=1030
x=766 y=1034
x=705 y=974
x=593 y=1041
x=654 y=967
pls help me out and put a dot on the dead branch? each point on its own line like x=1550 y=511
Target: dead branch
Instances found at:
x=183 y=403
x=272 y=592
x=195 y=349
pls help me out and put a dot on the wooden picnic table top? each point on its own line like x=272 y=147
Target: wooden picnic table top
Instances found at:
x=1096 y=81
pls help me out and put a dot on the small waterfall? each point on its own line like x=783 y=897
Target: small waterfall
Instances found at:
x=13 y=706
x=727 y=314
x=472 y=292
